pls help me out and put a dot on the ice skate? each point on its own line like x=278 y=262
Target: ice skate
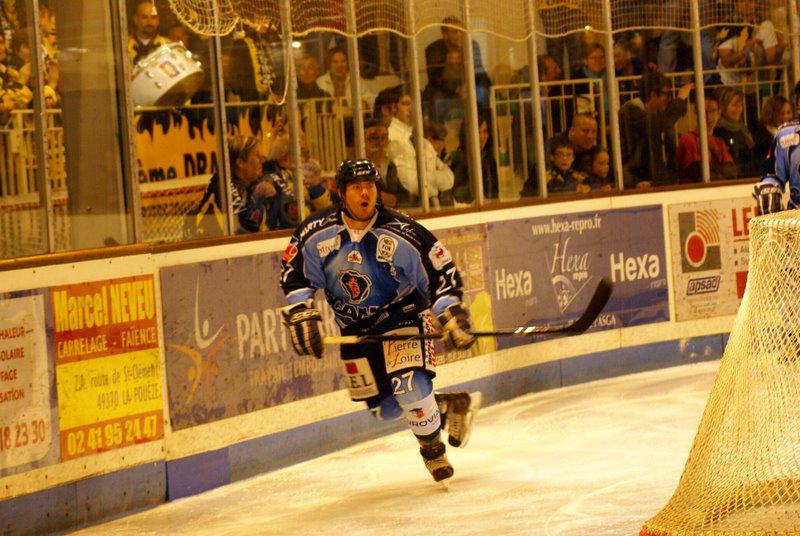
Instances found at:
x=458 y=411
x=436 y=461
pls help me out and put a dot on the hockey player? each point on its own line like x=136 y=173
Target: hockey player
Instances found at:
x=381 y=271
x=781 y=167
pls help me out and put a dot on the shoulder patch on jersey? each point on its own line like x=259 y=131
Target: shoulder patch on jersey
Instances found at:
x=386 y=248
x=290 y=252
x=356 y=285
x=439 y=255
x=326 y=247
x=789 y=140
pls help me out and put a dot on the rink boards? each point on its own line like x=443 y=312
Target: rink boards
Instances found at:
x=129 y=381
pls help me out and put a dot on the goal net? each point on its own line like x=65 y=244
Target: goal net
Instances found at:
x=743 y=472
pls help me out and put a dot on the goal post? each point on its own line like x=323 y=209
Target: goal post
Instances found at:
x=743 y=471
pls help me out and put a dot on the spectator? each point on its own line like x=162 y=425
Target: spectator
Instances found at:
x=249 y=193
x=178 y=33
x=582 y=136
x=282 y=207
x=13 y=94
x=687 y=158
x=733 y=131
x=307 y=74
x=376 y=143
x=647 y=130
x=21 y=56
x=599 y=174
x=336 y=81
x=404 y=155
x=561 y=177
x=436 y=134
x=746 y=44
x=445 y=67
x=775 y=111
x=144 y=38
x=459 y=162
x=594 y=67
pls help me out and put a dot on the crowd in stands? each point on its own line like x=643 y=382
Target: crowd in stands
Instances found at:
x=657 y=112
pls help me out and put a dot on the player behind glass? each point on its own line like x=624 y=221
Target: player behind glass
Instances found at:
x=781 y=167
x=381 y=271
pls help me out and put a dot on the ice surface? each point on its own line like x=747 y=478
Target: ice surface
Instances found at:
x=597 y=458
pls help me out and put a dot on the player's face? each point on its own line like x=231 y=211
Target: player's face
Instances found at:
x=360 y=199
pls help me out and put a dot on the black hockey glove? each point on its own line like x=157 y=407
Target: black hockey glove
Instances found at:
x=769 y=197
x=304 y=323
x=456 y=327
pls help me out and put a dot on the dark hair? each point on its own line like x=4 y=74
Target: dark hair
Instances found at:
x=559 y=142
x=373 y=121
x=388 y=97
x=652 y=83
x=771 y=108
x=434 y=130
x=331 y=52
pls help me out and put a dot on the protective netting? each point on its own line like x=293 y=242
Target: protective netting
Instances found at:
x=553 y=18
x=206 y=17
x=743 y=472
x=167 y=208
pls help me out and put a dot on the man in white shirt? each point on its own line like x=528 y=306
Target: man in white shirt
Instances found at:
x=401 y=150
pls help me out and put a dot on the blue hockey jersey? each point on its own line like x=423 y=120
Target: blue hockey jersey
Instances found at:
x=783 y=161
x=393 y=269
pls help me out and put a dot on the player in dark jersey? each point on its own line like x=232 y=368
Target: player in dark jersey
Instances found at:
x=381 y=272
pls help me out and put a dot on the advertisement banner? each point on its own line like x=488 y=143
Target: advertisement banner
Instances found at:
x=227 y=351
x=25 y=379
x=544 y=270
x=108 y=372
x=468 y=247
x=710 y=255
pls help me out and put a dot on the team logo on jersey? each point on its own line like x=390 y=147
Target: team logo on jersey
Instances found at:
x=289 y=253
x=386 y=248
x=356 y=285
x=439 y=255
x=326 y=247
x=354 y=257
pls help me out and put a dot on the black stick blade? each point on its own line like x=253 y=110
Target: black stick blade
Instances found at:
x=599 y=300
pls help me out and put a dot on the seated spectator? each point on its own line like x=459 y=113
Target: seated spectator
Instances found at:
x=307 y=74
x=376 y=143
x=436 y=134
x=775 y=111
x=249 y=194
x=688 y=159
x=582 y=136
x=21 y=56
x=647 y=130
x=403 y=153
x=734 y=132
x=626 y=65
x=282 y=208
x=459 y=163
x=13 y=94
x=561 y=177
x=336 y=81
x=600 y=172
x=594 y=66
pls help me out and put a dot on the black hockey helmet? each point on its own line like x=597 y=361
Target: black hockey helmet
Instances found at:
x=355 y=171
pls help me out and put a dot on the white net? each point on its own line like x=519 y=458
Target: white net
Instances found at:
x=388 y=15
x=206 y=17
x=743 y=472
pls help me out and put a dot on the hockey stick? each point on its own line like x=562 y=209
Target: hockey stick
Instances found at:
x=599 y=299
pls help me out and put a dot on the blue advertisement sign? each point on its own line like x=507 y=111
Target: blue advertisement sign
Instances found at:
x=544 y=270
x=227 y=351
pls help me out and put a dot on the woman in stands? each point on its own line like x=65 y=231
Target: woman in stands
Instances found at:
x=734 y=132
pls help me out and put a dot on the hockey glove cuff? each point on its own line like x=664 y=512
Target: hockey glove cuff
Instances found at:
x=456 y=327
x=304 y=323
x=769 y=197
